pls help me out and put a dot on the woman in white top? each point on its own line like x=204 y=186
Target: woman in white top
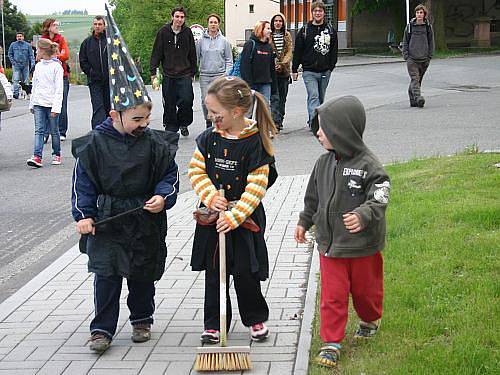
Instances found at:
x=46 y=101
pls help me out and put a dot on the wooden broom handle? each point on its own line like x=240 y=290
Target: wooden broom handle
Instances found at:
x=222 y=276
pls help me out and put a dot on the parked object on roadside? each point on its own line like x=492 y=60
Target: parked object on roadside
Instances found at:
x=418 y=47
x=46 y=101
x=5 y=96
x=125 y=223
x=346 y=199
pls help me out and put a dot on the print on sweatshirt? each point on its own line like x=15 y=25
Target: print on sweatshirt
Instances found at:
x=322 y=42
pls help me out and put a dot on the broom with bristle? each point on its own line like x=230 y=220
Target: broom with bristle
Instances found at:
x=222 y=358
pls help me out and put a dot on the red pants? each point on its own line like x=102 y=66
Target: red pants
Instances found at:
x=362 y=277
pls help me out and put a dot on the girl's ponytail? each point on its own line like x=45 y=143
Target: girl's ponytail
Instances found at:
x=265 y=122
x=48 y=47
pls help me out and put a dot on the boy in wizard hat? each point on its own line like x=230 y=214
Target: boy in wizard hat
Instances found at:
x=122 y=165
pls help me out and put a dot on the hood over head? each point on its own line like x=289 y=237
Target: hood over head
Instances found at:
x=343 y=122
x=284 y=22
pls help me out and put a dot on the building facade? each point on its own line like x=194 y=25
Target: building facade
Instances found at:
x=240 y=17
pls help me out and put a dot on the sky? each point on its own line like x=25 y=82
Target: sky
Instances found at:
x=51 y=6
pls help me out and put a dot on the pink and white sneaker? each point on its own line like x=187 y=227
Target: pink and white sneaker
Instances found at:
x=259 y=332
x=35 y=162
x=56 y=160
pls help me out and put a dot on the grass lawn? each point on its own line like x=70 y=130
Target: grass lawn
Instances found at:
x=442 y=285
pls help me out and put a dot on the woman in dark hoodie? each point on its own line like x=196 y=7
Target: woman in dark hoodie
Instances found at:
x=257 y=61
x=281 y=41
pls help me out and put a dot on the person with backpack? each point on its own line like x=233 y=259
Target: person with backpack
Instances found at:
x=257 y=61
x=6 y=95
x=316 y=49
x=418 y=47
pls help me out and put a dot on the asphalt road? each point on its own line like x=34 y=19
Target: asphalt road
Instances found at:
x=462 y=110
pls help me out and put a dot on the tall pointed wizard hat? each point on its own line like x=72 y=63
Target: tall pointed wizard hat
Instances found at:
x=127 y=88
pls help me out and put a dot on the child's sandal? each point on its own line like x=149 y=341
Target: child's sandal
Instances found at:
x=366 y=330
x=328 y=356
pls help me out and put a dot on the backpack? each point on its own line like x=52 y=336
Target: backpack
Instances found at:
x=427 y=28
x=4 y=102
x=235 y=71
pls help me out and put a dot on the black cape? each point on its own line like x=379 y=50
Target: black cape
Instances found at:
x=125 y=173
x=228 y=163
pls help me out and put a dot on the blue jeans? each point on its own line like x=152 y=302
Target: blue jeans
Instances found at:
x=316 y=84
x=19 y=74
x=107 y=290
x=264 y=89
x=43 y=120
x=63 y=117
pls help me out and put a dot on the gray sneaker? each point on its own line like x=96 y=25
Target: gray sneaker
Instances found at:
x=99 y=342
x=141 y=332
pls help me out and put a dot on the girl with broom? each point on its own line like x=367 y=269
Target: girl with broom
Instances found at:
x=235 y=155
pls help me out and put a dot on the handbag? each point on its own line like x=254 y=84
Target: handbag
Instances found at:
x=5 y=104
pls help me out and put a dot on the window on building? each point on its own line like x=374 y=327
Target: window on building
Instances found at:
x=250 y=8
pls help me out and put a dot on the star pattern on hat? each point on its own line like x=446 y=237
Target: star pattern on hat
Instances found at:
x=127 y=88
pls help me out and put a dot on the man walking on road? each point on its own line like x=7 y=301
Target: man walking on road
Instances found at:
x=418 y=46
x=22 y=59
x=94 y=63
x=175 y=49
x=316 y=48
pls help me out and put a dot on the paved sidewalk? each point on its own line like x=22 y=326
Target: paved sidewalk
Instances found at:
x=45 y=325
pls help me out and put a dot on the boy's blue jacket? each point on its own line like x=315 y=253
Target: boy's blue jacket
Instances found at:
x=115 y=173
x=349 y=180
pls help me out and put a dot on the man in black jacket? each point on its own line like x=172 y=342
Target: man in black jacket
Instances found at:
x=316 y=48
x=175 y=49
x=94 y=63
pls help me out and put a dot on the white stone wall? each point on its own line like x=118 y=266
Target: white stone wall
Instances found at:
x=238 y=18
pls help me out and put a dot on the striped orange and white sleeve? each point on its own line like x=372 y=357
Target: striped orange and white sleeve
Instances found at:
x=200 y=181
x=254 y=192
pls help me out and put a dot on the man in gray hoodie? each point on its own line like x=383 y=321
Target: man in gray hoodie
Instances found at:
x=215 y=58
x=346 y=199
x=418 y=46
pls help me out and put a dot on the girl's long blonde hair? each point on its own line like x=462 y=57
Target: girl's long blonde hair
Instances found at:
x=232 y=92
x=48 y=47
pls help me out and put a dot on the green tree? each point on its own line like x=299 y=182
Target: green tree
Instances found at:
x=14 y=21
x=140 y=20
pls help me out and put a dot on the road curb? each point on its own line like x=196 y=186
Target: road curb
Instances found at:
x=301 y=365
x=38 y=282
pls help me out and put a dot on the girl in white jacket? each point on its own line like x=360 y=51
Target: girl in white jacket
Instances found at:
x=46 y=100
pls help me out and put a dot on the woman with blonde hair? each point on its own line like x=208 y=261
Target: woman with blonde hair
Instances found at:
x=237 y=155
x=257 y=61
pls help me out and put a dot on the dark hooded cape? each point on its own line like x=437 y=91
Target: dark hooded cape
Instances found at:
x=125 y=173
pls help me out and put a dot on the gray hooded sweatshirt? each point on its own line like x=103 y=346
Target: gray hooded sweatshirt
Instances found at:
x=215 y=57
x=418 y=41
x=349 y=179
